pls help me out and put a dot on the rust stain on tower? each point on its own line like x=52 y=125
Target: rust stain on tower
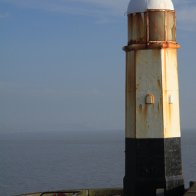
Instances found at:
x=153 y=151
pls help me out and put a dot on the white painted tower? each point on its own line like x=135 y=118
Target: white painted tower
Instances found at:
x=153 y=138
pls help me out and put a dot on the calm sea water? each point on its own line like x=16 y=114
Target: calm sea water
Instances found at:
x=31 y=162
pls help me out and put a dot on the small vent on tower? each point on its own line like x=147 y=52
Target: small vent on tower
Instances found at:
x=149 y=99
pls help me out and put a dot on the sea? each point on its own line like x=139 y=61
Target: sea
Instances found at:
x=57 y=160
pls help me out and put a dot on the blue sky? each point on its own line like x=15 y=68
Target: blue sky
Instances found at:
x=62 y=66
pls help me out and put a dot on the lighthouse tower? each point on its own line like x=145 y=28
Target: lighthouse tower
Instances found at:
x=153 y=138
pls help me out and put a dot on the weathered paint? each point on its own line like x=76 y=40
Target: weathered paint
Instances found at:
x=149 y=121
x=137 y=28
x=155 y=72
x=151 y=45
x=130 y=106
x=170 y=89
x=153 y=151
x=152 y=69
x=152 y=26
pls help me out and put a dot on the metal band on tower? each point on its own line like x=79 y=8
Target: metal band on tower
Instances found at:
x=153 y=138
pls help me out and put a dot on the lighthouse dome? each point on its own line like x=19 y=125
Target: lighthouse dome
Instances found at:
x=143 y=5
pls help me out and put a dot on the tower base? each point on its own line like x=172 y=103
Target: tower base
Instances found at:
x=153 y=167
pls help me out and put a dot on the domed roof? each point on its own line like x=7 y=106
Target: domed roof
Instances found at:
x=143 y=5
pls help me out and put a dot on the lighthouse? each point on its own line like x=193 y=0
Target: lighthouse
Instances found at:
x=153 y=139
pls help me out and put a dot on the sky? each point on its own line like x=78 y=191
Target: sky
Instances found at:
x=62 y=66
